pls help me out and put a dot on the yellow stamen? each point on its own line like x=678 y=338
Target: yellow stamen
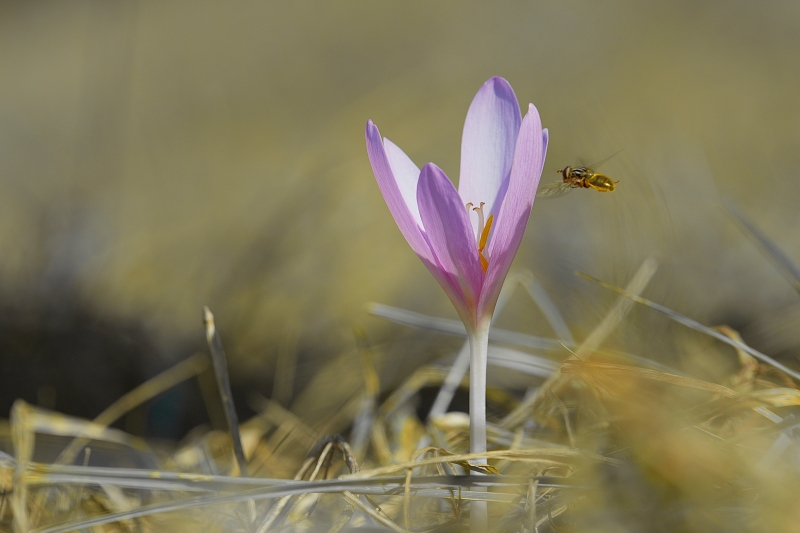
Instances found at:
x=485 y=233
x=482 y=243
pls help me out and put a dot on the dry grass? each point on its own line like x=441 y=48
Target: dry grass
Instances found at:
x=606 y=441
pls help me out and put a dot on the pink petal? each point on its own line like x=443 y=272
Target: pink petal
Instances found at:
x=516 y=208
x=487 y=146
x=406 y=174
x=449 y=232
x=380 y=156
x=393 y=195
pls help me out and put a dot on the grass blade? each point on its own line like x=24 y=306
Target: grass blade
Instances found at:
x=697 y=326
x=224 y=385
x=785 y=265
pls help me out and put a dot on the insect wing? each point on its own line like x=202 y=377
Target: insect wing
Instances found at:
x=597 y=164
x=553 y=190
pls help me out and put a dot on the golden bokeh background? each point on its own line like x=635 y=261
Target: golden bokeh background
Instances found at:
x=157 y=157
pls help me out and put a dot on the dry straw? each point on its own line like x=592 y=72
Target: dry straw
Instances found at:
x=601 y=438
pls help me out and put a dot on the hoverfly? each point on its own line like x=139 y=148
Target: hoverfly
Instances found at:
x=577 y=178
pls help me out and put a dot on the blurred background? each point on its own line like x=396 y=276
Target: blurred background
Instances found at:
x=158 y=157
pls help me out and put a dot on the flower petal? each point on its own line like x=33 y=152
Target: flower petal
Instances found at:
x=487 y=146
x=392 y=193
x=449 y=233
x=406 y=174
x=516 y=208
x=403 y=209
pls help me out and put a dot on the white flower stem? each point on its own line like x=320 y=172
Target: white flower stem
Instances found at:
x=479 y=349
x=461 y=364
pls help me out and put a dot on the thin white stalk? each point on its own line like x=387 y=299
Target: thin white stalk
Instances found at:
x=461 y=364
x=479 y=354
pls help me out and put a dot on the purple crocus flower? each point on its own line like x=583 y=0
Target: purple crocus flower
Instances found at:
x=468 y=237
